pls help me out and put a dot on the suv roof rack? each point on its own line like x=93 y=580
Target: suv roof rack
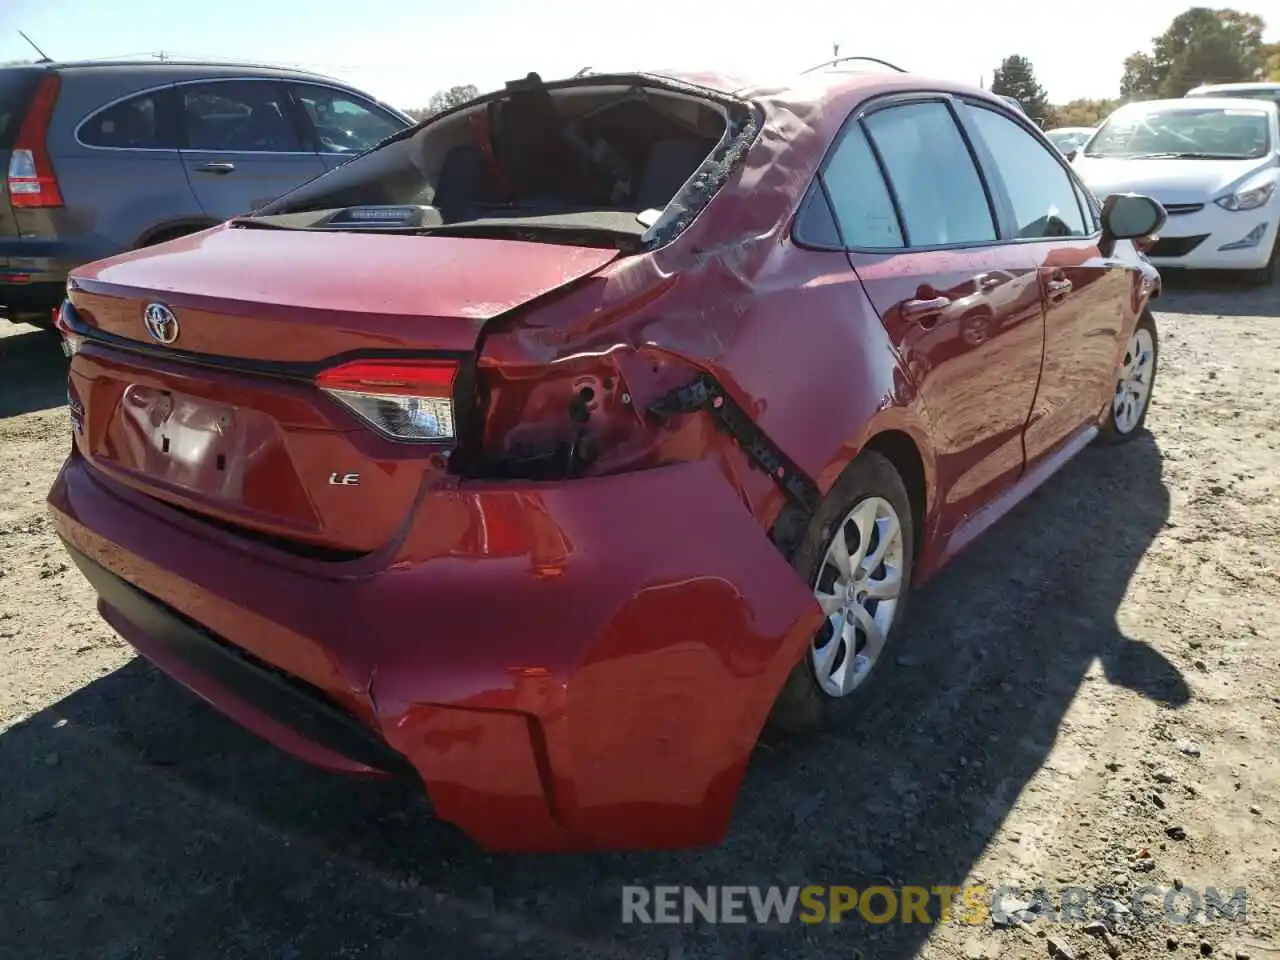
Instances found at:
x=838 y=60
x=162 y=60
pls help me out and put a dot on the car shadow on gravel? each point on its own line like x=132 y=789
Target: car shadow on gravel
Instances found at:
x=33 y=372
x=1216 y=293
x=137 y=819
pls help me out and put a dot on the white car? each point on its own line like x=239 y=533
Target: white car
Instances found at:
x=1260 y=90
x=1214 y=163
x=1070 y=139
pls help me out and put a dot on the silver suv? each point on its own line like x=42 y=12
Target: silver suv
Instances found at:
x=103 y=157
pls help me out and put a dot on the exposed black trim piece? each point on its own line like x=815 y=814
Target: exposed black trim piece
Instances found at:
x=642 y=80
x=302 y=370
x=979 y=154
x=865 y=132
x=705 y=393
x=287 y=699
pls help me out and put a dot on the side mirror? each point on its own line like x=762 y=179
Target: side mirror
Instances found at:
x=1071 y=154
x=1128 y=216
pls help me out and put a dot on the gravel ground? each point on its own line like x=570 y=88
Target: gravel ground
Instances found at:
x=1099 y=671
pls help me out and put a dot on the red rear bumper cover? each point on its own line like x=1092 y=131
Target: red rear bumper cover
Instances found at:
x=567 y=666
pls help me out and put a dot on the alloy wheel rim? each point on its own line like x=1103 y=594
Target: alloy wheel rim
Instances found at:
x=1133 y=389
x=858 y=586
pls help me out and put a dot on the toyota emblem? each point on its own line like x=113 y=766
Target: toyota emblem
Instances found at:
x=160 y=323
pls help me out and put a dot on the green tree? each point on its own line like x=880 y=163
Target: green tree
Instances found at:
x=1202 y=45
x=1015 y=77
x=443 y=100
x=1270 y=54
x=447 y=99
x=1079 y=113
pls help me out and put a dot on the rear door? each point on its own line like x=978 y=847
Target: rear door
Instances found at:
x=118 y=166
x=962 y=308
x=242 y=146
x=1088 y=309
x=342 y=124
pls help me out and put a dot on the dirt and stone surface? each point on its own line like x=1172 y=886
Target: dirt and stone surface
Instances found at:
x=1089 y=698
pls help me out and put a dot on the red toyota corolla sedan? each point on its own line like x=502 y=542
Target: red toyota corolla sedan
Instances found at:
x=551 y=448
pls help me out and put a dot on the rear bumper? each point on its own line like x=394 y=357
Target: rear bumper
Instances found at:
x=33 y=271
x=578 y=665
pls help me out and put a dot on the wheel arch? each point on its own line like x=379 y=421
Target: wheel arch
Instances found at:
x=171 y=229
x=901 y=436
x=900 y=449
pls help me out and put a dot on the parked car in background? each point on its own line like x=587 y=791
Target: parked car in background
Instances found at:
x=1070 y=139
x=546 y=451
x=1212 y=163
x=1254 y=91
x=103 y=157
x=1013 y=102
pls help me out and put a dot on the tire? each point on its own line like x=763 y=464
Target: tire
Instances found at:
x=869 y=486
x=1120 y=425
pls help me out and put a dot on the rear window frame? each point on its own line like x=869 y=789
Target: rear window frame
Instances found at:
x=166 y=116
x=887 y=101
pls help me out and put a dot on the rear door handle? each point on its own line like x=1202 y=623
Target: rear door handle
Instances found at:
x=219 y=168
x=925 y=312
x=1058 y=289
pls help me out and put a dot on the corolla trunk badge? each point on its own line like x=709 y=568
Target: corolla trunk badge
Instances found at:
x=160 y=323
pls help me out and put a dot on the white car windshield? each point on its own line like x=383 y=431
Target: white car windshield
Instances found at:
x=1209 y=133
x=1068 y=140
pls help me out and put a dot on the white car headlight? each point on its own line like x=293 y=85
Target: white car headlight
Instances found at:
x=1247 y=199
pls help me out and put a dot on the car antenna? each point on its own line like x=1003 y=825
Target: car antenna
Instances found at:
x=44 y=57
x=839 y=60
x=581 y=73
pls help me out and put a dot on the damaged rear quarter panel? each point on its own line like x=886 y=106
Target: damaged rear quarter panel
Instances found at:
x=644 y=630
x=652 y=596
x=788 y=332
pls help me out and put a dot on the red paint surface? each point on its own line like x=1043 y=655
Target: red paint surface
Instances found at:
x=586 y=663
x=552 y=690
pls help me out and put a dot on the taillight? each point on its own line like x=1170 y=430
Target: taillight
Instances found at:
x=32 y=182
x=401 y=399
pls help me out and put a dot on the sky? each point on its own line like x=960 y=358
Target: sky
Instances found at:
x=402 y=51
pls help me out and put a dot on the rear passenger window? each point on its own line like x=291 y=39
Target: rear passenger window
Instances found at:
x=239 y=115
x=1043 y=195
x=137 y=123
x=343 y=124
x=932 y=174
x=859 y=196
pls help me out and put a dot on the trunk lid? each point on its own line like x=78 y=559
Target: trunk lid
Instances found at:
x=224 y=420
x=291 y=296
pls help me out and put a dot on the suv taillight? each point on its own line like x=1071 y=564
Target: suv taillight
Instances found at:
x=401 y=399
x=32 y=182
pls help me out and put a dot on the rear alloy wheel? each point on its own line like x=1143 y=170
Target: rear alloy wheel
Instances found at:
x=1132 y=398
x=858 y=555
x=857 y=586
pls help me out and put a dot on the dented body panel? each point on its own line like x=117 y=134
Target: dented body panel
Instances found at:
x=573 y=622
x=578 y=718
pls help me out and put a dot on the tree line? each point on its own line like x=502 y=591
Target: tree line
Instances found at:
x=1201 y=45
